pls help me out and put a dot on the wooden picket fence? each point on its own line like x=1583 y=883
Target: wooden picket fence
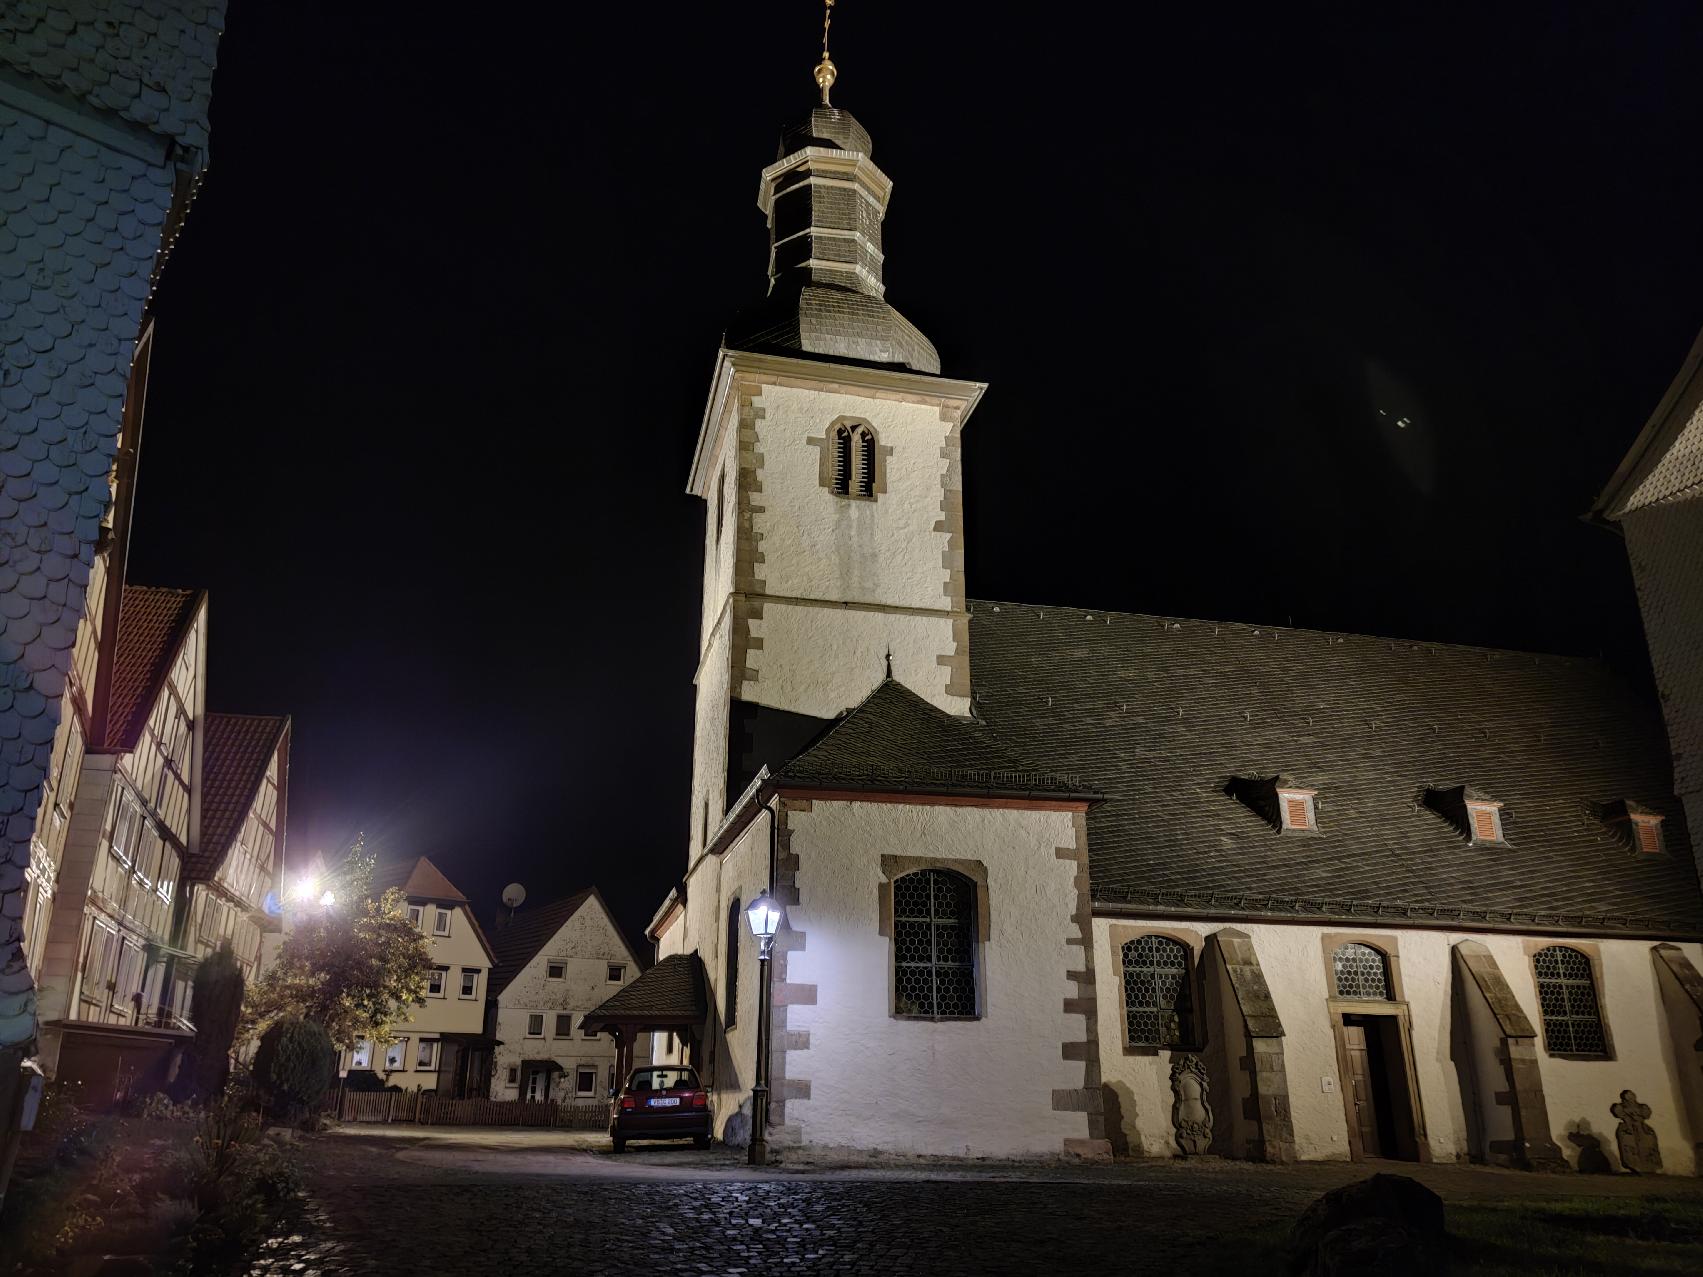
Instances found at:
x=433 y=1110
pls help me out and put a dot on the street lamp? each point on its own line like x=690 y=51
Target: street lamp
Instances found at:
x=765 y=916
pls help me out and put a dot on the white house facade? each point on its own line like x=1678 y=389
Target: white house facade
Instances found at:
x=1059 y=880
x=555 y=963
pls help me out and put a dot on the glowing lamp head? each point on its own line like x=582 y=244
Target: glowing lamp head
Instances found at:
x=765 y=917
x=305 y=887
x=327 y=899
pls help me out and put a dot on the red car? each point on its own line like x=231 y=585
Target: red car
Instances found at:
x=660 y=1102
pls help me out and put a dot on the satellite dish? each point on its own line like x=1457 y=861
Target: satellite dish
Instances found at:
x=514 y=895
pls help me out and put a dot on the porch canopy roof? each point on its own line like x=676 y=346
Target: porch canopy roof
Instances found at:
x=673 y=994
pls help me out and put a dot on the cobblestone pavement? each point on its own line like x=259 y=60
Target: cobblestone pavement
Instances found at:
x=536 y=1201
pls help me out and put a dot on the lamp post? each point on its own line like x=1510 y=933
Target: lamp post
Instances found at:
x=765 y=917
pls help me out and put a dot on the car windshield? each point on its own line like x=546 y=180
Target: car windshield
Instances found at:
x=663 y=1079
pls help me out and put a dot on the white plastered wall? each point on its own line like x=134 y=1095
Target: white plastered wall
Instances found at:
x=1292 y=958
x=585 y=945
x=982 y=1087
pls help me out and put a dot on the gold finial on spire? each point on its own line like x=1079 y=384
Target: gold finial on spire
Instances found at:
x=826 y=72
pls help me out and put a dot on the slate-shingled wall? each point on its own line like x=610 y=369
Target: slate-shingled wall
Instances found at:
x=103 y=115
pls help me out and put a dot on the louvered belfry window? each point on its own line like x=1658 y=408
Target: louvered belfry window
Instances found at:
x=854 y=461
x=1158 y=1004
x=1361 y=972
x=1567 y=999
x=934 y=944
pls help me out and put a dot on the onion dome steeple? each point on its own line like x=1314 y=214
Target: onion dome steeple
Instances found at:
x=825 y=198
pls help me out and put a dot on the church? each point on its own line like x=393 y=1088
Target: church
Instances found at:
x=1066 y=882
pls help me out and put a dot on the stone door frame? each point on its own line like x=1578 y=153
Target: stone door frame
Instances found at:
x=1398 y=1011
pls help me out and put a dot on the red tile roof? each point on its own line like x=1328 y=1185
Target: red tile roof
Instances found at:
x=419 y=879
x=152 y=625
x=236 y=751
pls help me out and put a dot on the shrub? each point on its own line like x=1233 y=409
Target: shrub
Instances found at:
x=295 y=1066
x=217 y=1007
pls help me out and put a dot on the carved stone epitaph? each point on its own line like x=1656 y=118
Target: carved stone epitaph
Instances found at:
x=1191 y=1115
x=1639 y=1151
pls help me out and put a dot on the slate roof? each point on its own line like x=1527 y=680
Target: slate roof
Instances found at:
x=152 y=625
x=673 y=991
x=149 y=62
x=523 y=935
x=236 y=751
x=1665 y=462
x=897 y=740
x=1159 y=713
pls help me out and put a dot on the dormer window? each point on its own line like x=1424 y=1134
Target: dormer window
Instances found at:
x=1278 y=801
x=1485 y=820
x=1647 y=833
x=852 y=456
x=1295 y=808
x=1633 y=824
x=1475 y=816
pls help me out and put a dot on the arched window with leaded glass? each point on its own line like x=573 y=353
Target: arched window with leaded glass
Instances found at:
x=1567 y=1000
x=1158 y=998
x=1361 y=971
x=934 y=945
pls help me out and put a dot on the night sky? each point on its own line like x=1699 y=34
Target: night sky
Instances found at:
x=432 y=354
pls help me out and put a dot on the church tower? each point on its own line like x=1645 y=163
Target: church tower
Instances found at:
x=829 y=464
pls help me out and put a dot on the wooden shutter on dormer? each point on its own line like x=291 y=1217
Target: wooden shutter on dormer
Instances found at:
x=1295 y=812
x=1648 y=835
x=1484 y=823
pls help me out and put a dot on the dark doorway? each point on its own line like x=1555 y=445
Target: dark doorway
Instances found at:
x=1378 y=1097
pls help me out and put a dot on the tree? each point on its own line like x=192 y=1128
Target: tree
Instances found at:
x=351 y=968
x=295 y=1065
x=217 y=1007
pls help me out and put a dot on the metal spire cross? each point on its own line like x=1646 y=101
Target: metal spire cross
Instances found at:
x=826 y=72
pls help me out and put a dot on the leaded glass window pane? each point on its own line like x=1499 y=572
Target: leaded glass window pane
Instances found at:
x=934 y=944
x=1361 y=972
x=1158 y=1004
x=1567 y=999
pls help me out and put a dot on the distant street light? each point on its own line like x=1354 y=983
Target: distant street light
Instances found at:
x=765 y=916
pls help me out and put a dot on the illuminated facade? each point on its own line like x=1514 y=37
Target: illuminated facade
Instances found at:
x=1161 y=886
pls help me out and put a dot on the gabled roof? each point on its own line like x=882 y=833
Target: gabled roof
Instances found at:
x=1157 y=713
x=419 y=879
x=897 y=740
x=526 y=933
x=672 y=992
x=1665 y=462
x=153 y=624
x=236 y=751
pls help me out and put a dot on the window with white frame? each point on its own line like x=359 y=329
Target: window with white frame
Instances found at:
x=535 y=1025
x=585 y=1080
x=396 y=1055
x=617 y=973
x=555 y=970
x=426 y=1055
x=469 y=982
x=363 y=1056
x=1295 y=809
x=564 y=1024
x=514 y=1075
x=440 y=924
x=416 y=915
x=1484 y=819
x=435 y=981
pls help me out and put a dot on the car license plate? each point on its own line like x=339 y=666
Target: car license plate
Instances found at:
x=666 y=1102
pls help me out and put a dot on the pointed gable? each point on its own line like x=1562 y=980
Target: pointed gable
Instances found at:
x=897 y=740
x=520 y=941
x=420 y=880
x=153 y=624
x=237 y=751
